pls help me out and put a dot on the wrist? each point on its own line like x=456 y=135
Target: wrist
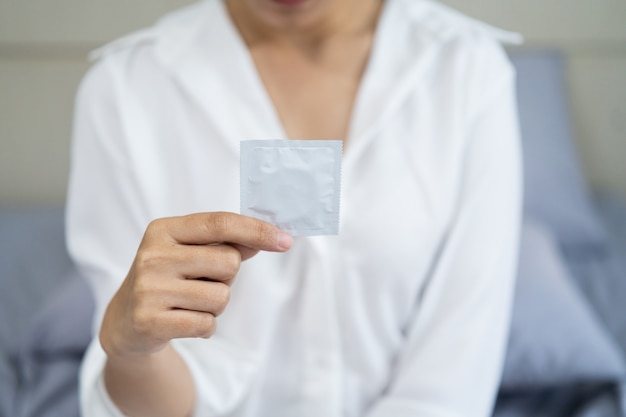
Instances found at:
x=154 y=384
x=137 y=359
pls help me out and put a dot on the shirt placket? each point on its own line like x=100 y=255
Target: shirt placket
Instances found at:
x=321 y=385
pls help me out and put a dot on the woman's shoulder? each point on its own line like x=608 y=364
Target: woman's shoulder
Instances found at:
x=160 y=42
x=137 y=57
x=466 y=48
x=446 y=24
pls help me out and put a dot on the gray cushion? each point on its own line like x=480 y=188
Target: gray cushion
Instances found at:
x=33 y=264
x=51 y=390
x=8 y=386
x=580 y=400
x=556 y=337
x=45 y=316
x=63 y=323
x=603 y=279
x=555 y=190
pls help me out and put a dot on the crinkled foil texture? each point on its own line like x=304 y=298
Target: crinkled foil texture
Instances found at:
x=293 y=184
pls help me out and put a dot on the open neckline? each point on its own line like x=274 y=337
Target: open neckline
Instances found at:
x=264 y=95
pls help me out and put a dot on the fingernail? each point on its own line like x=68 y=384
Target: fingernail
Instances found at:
x=284 y=240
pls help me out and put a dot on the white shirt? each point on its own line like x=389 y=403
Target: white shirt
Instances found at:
x=406 y=311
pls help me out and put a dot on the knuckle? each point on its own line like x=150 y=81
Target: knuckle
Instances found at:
x=204 y=325
x=149 y=259
x=231 y=263
x=265 y=234
x=142 y=319
x=220 y=297
x=219 y=222
x=142 y=322
x=154 y=227
x=141 y=293
x=158 y=230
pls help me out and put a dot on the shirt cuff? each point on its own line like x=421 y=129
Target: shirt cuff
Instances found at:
x=106 y=406
x=398 y=407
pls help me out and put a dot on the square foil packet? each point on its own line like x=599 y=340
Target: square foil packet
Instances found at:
x=292 y=184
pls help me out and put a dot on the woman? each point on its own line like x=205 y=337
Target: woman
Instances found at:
x=405 y=313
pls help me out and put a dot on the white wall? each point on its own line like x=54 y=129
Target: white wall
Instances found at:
x=43 y=48
x=42 y=58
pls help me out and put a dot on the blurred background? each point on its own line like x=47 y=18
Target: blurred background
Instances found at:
x=567 y=350
x=43 y=48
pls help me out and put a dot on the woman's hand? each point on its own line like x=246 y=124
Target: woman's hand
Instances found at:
x=180 y=280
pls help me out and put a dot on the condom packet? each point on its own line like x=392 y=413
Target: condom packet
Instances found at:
x=292 y=184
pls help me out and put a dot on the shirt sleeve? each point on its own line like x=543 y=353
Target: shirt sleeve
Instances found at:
x=107 y=213
x=452 y=359
x=104 y=214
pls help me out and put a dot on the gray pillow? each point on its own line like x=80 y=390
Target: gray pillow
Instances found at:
x=555 y=191
x=63 y=323
x=33 y=264
x=8 y=386
x=556 y=337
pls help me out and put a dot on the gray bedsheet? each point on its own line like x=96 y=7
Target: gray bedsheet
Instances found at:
x=596 y=400
x=8 y=386
x=603 y=278
x=50 y=353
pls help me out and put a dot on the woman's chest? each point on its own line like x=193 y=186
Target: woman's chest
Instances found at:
x=398 y=183
x=313 y=96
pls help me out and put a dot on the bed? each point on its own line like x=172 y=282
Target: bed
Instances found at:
x=567 y=347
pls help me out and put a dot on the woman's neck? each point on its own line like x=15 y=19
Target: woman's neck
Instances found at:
x=309 y=29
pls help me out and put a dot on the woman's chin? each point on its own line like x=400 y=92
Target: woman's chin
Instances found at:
x=290 y=14
x=289 y=3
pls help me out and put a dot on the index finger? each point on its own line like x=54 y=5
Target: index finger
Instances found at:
x=224 y=227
